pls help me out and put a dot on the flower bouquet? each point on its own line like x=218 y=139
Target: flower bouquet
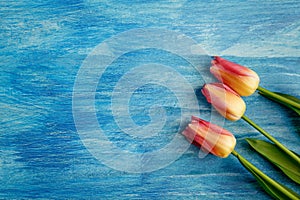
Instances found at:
x=225 y=96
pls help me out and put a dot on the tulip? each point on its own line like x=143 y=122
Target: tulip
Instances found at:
x=210 y=137
x=241 y=79
x=245 y=81
x=220 y=142
x=226 y=101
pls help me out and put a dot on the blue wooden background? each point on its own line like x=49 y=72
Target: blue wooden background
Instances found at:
x=43 y=45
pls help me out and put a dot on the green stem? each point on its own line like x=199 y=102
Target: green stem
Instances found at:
x=260 y=175
x=278 y=97
x=276 y=142
x=244 y=160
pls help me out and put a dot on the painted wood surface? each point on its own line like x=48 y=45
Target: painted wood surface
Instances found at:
x=64 y=64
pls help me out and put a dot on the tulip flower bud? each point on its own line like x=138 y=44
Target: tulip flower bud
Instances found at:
x=226 y=101
x=241 y=79
x=210 y=137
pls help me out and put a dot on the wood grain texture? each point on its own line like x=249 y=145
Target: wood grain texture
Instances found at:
x=42 y=47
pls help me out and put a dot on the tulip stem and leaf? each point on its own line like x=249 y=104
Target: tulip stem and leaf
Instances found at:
x=220 y=142
x=283 y=161
x=272 y=139
x=245 y=82
x=273 y=188
x=237 y=80
x=285 y=99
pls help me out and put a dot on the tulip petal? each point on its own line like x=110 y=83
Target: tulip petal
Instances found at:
x=196 y=139
x=210 y=137
x=215 y=128
x=221 y=63
x=225 y=100
x=241 y=79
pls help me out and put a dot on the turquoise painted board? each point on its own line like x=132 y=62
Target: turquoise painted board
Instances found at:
x=94 y=95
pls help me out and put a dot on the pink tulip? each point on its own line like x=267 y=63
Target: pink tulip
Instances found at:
x=241 y=79
x=210 y=137
x=226 y=101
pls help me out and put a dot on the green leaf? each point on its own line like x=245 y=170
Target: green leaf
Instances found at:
x=283 y=161
x=295 y=109
x=295 y=99
x=272 y=187
x=283 y=96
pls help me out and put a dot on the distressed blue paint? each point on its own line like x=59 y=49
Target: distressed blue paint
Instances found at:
x=42 y=46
